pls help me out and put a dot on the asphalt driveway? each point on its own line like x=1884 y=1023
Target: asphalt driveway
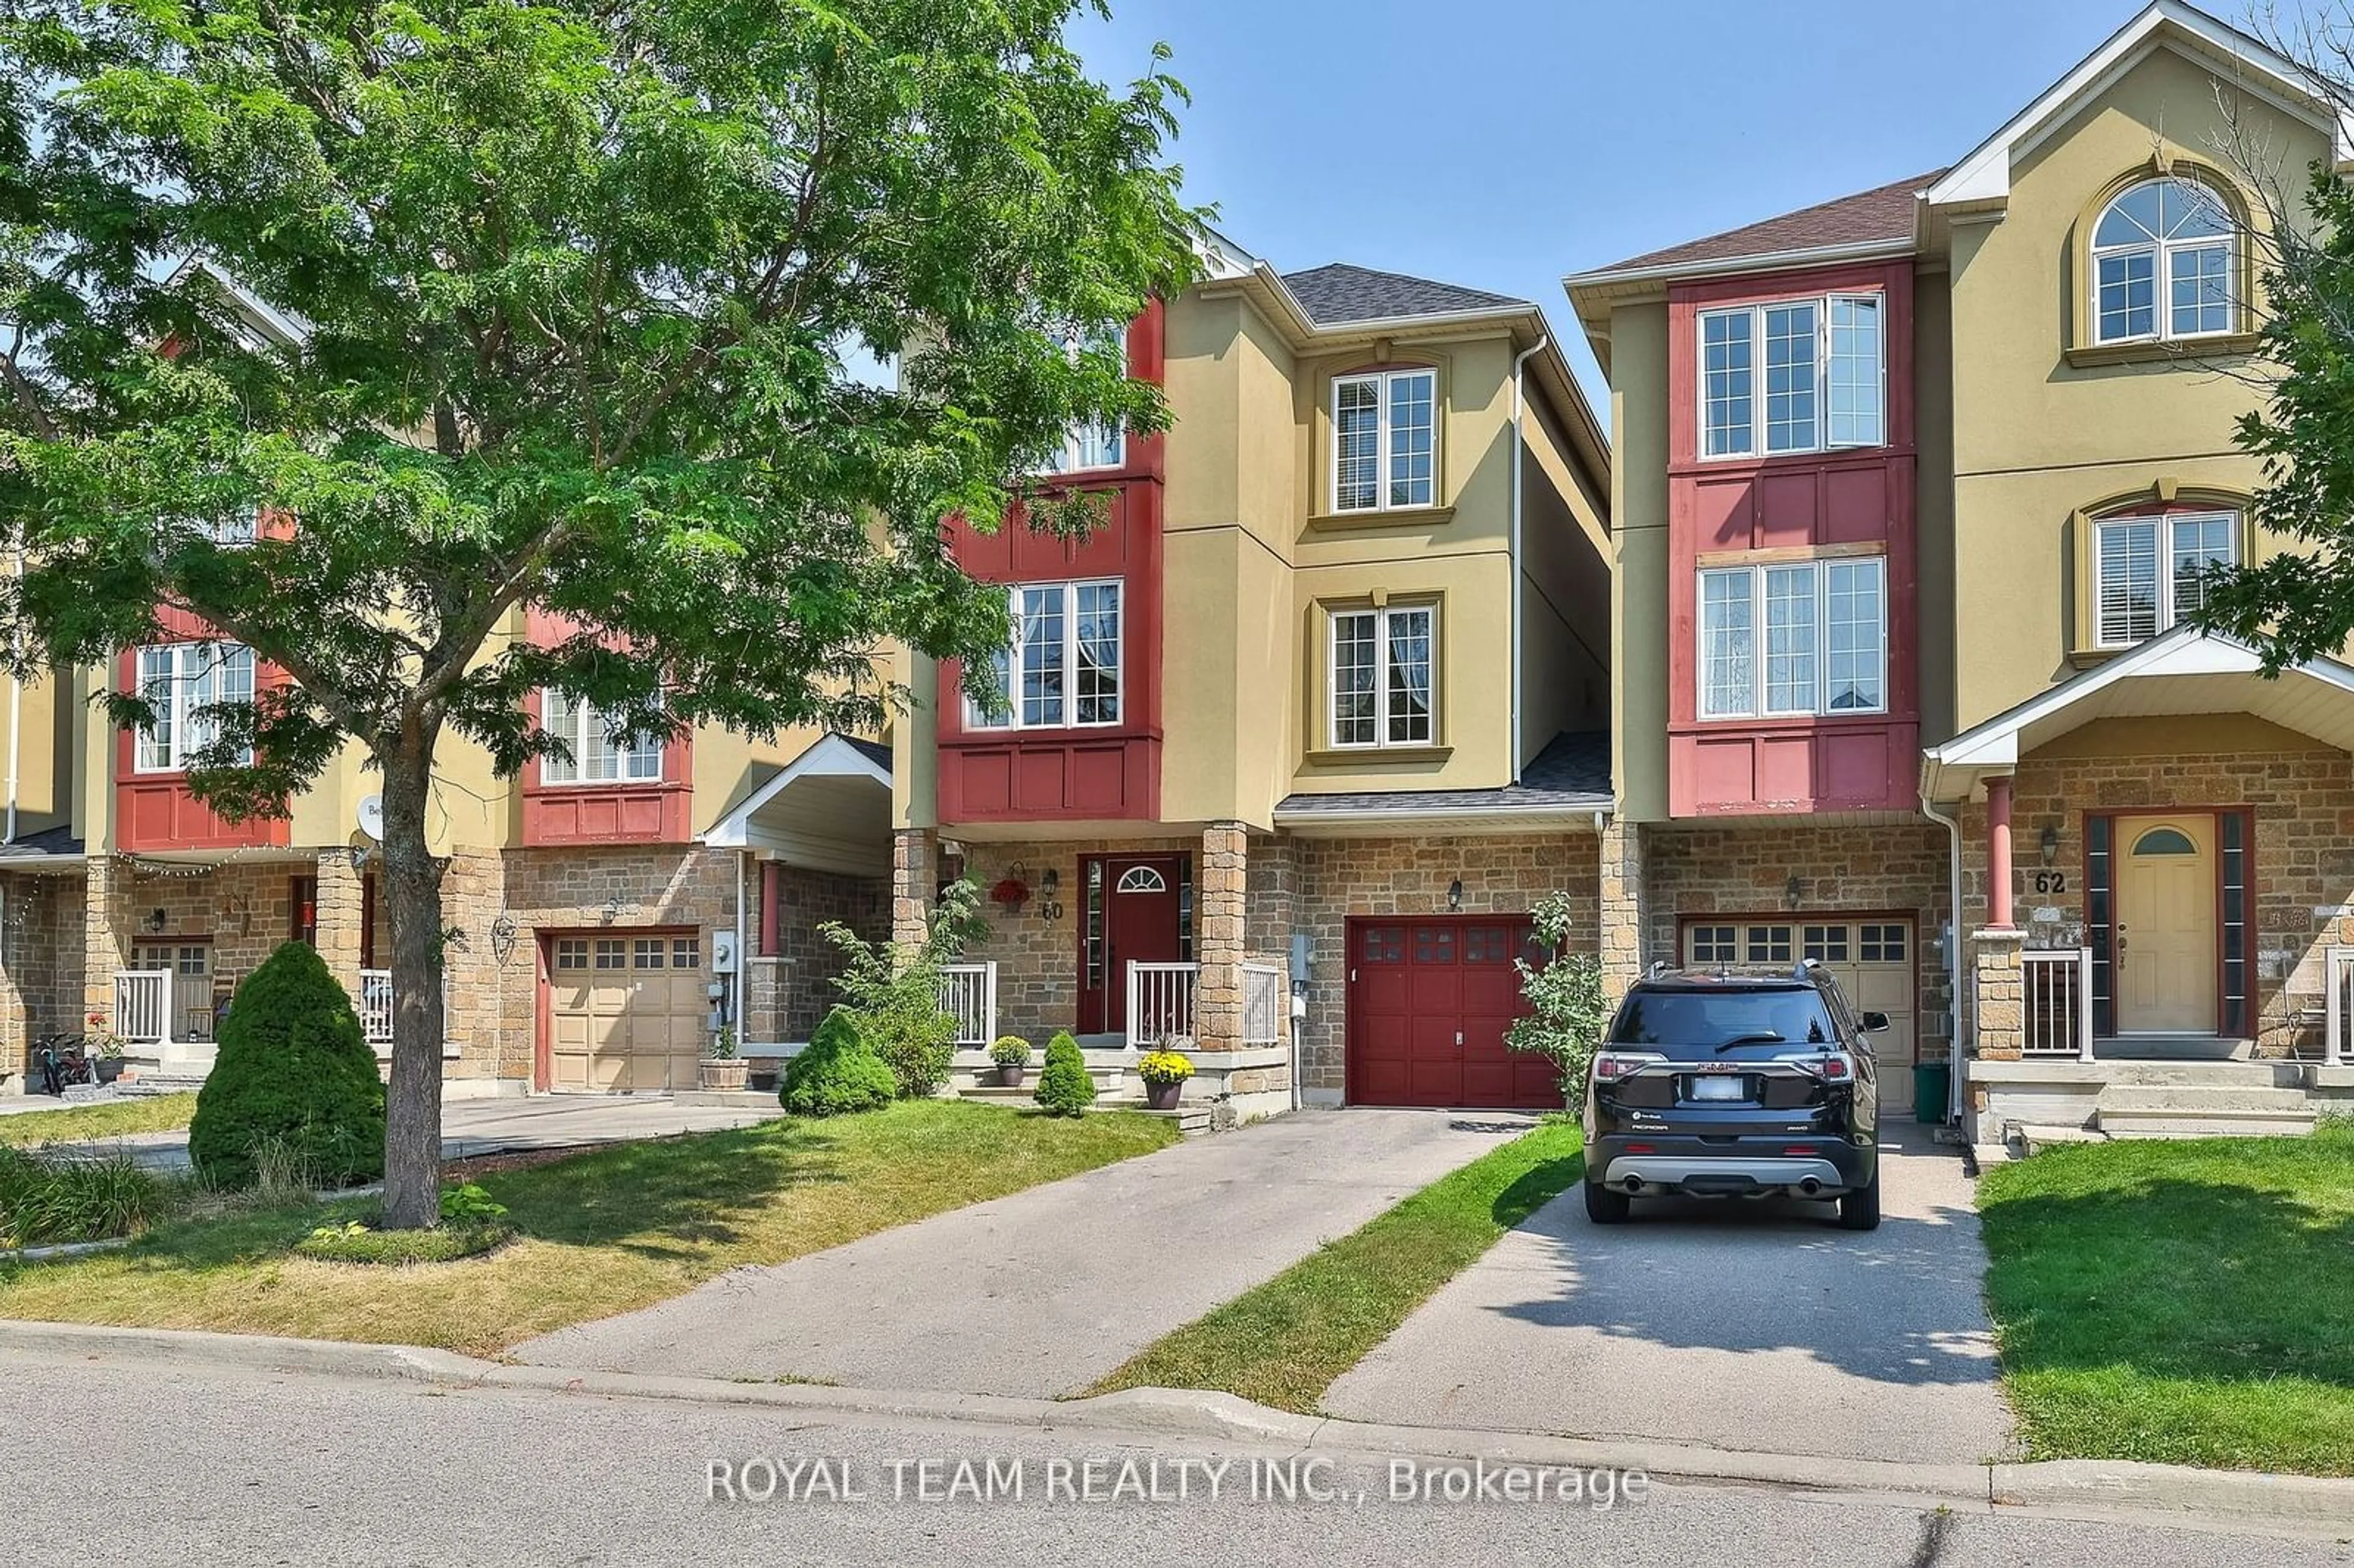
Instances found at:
x=1758 y=1328
x=1040 y=1293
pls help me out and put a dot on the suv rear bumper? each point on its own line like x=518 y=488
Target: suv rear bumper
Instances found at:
x=1730 y=1167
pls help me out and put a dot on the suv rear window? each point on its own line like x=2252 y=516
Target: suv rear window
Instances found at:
x=1708 y=1020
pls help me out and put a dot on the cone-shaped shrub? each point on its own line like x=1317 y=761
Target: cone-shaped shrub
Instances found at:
x=292 y=1075
x=838 y=1073
x=1064 y=1088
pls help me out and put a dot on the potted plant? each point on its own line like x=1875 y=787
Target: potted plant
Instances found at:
x=721 y=1069
x=1164 y=1073
x=104 y=1048
x=1012 y=1054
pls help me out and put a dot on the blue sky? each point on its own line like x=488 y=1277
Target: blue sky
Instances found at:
x=1576 y=133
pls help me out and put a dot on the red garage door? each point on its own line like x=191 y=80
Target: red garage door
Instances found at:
x=1429 y=998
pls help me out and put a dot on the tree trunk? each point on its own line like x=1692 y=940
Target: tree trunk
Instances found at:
x=412 y=1126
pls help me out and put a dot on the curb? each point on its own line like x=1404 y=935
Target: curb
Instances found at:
x=2077 y=1486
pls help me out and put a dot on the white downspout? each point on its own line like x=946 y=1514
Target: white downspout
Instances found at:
x=1953 y=827
x=1513 y=553
x=16 y=719
x=743 y=961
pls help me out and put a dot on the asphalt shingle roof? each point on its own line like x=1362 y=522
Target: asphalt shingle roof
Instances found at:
x=1884 y=212
x=1340 y=293
x=1570 y=774
x=47 y=842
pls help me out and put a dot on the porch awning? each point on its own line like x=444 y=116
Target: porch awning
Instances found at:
x=829 y=809
x=2184 y=672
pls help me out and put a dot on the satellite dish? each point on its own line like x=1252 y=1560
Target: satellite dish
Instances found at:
x=372 y=816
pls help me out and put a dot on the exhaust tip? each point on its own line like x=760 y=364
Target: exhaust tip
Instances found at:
x=1810 y=1186
x=1633 y=1183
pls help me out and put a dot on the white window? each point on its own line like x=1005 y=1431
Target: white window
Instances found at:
x=1086 y=447
x=1825 y=362
x=1062 y=668
x=181 y=680
x=1384 y=441
x=2150 y=572
x=2162 y=263
x=599 y=755
x=1382 y=674
x=1825 y=648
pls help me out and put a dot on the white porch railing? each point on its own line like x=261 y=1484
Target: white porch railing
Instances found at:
x=143 y=1006
x=1161 y=1003
x=969 y=995
x=2338 y=970
x=1262 y=1004
x=375 y=1007
x=2058 y=999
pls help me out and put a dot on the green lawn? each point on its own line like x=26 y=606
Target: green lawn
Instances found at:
x=600 y=1233
x=2190 y=1303
x=112 y=1119
x=1284 y=1343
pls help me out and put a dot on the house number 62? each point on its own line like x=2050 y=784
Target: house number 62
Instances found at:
x=2051 y=882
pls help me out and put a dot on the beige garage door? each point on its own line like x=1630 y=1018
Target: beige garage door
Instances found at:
x=626 y=1012
x=1872 y=960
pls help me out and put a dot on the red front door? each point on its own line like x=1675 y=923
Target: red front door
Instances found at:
x=1136 y=900
x=1429 y=999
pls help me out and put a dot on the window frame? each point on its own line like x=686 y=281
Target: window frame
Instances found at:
x=1822 y=304
x=1384 y=450
x=1110 y=438
x=178 y=707
x=2163 y=253
x=2167 y=613
x=1381 y=615
x=584 y=712
x=976 y=720
x=1822 y=568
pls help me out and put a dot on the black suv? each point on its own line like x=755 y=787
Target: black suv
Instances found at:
x=1728 y=1083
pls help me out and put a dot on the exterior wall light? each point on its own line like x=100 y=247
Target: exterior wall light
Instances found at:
x=2050 y=843
x=1455 y=894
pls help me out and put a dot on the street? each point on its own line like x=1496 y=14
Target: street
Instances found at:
x=134 y=1463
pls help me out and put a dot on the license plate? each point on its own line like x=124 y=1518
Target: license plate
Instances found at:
x=1720 y=1089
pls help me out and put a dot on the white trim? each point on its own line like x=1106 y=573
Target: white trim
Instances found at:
x=585 y=714
x=2165 y=523
x=1756 y=309
x=973 y=718
x=178 y=702
x=1762 y=262
x=1380 y=615
x=1984 y=174
x=2163 y=253
x=1581 y=817
x=830 y=757
x=1819 y=569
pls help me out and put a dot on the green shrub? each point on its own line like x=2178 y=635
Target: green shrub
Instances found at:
x=1568 y=1008
x=839 y=1071
x=292 y=1075
x=46 y=1198
x=914 y=1039
x=895 y=989
x=359 y=1241
x=1064 y=1088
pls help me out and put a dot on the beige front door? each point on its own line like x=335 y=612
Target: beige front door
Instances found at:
x=2166 y=924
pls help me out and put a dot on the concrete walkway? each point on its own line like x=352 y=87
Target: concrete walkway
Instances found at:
x=504 y=1124
x=1750 y=1327
x=1040 y=1293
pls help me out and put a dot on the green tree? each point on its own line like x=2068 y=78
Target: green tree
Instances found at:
x=548 y=307
x=894 y=987
x=1568 y=1009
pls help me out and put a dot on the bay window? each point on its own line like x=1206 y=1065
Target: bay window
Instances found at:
x=1793 y=639
x=180 y=681
x=1823 y=382
x=1382 y=677
x=600 y=755
x=1062 y=667
x=1384 y=441
x=2150 y=572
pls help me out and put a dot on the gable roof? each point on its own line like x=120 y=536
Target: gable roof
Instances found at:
x=1883 y=215
x=1341 y=292
x=2247 y=63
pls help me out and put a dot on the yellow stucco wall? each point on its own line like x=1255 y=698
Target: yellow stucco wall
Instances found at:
x=2038 y=437
x=1639 y=586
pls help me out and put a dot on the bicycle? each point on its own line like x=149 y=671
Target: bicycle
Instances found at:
x=63 y=1061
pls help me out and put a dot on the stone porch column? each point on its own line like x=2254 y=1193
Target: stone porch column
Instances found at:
x=342 y=897
x=1626 y=905
x=2000 y=984
x=914 y=881
x=108 y=920
x=1218 y=935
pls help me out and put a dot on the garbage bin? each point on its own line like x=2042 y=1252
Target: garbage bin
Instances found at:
x=1932 y=1088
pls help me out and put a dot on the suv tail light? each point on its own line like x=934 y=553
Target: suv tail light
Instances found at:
x=1836 y=1068
x=1610 y=1066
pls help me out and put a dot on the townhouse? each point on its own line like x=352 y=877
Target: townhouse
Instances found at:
x=1914 y=490
x=1293 y=743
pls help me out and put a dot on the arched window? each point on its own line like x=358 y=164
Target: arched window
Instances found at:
x=2163 y=263
x=2164 y=840
x=1143 y=879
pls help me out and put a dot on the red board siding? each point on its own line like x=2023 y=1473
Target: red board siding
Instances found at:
x=1106 y=773
x=158 y=810
x=1429 y=999
x=1805 y=501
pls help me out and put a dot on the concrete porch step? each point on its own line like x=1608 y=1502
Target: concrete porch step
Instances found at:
x=2197 y=1099
x=155 y=1082
x=2271 y=1074
x=1190 y=1118
x=746 y=1100
x=2173 y=1048
x=2160 y=1123
x=2036 y=1140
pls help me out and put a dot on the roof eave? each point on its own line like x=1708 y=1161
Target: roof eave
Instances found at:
x=1614 y=279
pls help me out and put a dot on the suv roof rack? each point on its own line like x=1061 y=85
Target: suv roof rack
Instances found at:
x=1805 y=969
x=1659 y=967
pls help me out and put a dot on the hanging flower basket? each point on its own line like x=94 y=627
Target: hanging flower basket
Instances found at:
x=1011 y=892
